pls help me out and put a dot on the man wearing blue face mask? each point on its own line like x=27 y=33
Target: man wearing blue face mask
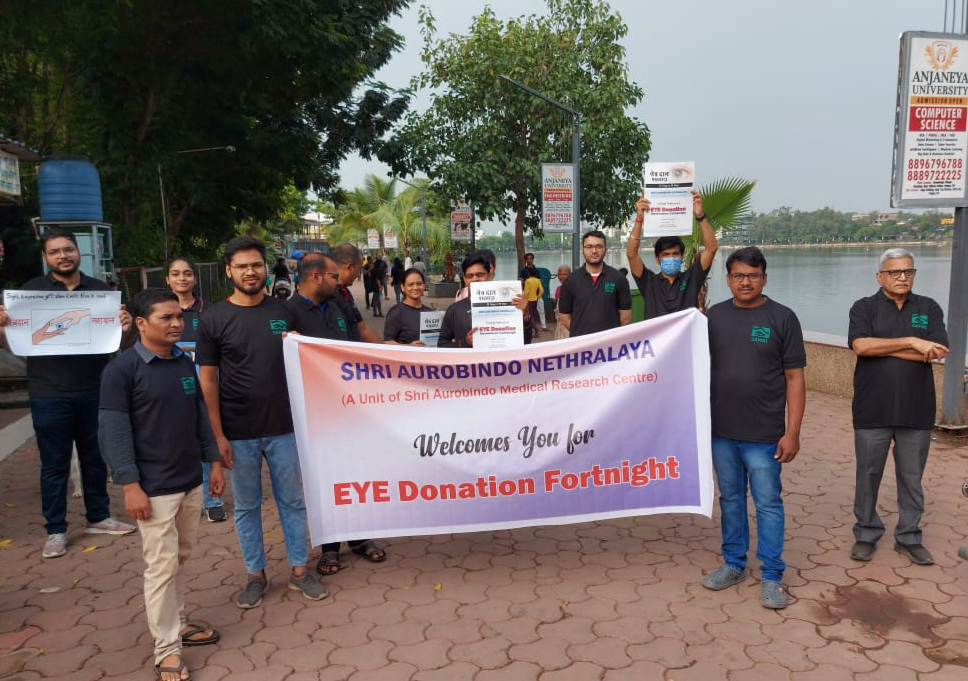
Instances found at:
x=670 y=289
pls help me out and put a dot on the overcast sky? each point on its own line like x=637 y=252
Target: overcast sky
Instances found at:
x=797 y=96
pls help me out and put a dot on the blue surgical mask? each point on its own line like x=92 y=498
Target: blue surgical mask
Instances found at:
x=670 y=266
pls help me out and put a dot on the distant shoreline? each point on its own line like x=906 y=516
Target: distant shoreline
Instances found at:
x=880 y=244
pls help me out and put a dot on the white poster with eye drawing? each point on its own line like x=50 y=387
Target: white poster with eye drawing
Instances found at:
x=63 y=322
x=668 y=188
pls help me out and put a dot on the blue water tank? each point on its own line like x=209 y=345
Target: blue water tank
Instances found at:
x=70 y=189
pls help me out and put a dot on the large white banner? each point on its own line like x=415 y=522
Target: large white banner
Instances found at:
x=63 y=322
x=402 y=440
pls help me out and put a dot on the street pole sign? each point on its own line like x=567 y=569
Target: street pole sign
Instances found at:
x=460 y=222
x=557 y=197
x=930 y=132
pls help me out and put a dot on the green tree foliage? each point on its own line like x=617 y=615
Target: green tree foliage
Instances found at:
x=785 y=226
x=287 y=83
x=484 y=139
x=377 y=205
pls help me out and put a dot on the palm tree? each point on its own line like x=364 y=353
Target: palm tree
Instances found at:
x=727 y=203
x=376 y=205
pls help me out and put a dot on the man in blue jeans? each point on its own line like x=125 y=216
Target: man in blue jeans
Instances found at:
x=64 y=394
x=243 y=377
x=757 y=353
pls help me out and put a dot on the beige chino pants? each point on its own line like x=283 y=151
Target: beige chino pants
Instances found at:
x=167 y=540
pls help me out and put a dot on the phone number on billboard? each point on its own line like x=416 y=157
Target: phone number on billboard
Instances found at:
x=934 y=163
x=933 y=175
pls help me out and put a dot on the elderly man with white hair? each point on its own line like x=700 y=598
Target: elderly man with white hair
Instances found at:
x=895 y=334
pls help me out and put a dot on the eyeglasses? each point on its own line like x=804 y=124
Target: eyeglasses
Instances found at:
x=332 y=275
x=254 y=266
x=896 y=274
x=472 y=276
x=594 y=247
x=752 y=276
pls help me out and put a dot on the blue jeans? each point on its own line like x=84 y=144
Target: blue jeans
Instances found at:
x=279 y=452
x=59 y=422
x=208 y=501
x=736 y=463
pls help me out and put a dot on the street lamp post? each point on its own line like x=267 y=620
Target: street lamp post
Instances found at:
x=575 y=161
x=423 y=215
x=229 y=149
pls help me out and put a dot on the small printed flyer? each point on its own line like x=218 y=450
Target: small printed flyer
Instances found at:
x=499 y=324
x=430 y=323
x=44 y=323
x=668 y=187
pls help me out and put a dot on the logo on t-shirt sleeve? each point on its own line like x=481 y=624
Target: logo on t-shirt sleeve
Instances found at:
x=189 y=387
x=278 y=326
x=919 y=321
x=760 y=334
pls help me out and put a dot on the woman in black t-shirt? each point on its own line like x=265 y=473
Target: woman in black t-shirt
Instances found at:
x=182 y=278
x=396 y=278
x=402 y=326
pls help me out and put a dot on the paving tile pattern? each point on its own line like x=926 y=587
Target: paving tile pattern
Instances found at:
x=615 y=600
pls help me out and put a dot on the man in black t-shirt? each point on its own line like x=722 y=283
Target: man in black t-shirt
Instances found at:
x=318 y=315
x=243 y=378
x=64 y=405
x=895 y=335
x=670 y=289
x=314 y=305
x=154 y=432
x=349 y=263
x=757 y=359
x=595 y=297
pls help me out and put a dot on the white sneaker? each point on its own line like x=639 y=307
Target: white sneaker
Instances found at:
x=56 y=545
x=110 y=526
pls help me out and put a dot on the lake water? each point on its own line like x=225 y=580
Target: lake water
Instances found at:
x=818 y=283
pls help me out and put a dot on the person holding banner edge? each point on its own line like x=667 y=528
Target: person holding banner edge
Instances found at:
x=670 y=289
x=757 y=359
x=319 y=315
x=243 y=378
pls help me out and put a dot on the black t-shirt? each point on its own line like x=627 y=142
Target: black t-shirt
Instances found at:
x=890 y=392
x=318 y=321
x=169 y=422
x=64 y=375
x=350 y=312
x=280 y=271
x=191 y=315
x=402 y=323
x=659 y=297
x=594 y=305
x=245 y=343
x=456 y=324
x=750 y=349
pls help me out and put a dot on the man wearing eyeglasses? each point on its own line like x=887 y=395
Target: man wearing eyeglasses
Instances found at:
x=317 y=313
x=243 y=378
x=895 y=334
x=595 y=297
x=349 y=264
x=757 y=354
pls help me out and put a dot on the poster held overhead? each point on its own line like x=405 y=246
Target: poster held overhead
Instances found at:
x=668 y=187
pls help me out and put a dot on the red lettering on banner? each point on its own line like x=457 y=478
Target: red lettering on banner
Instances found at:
x=638 y=475
x=343 y=492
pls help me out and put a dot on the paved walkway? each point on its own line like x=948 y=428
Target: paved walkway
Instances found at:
x=615 y=600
